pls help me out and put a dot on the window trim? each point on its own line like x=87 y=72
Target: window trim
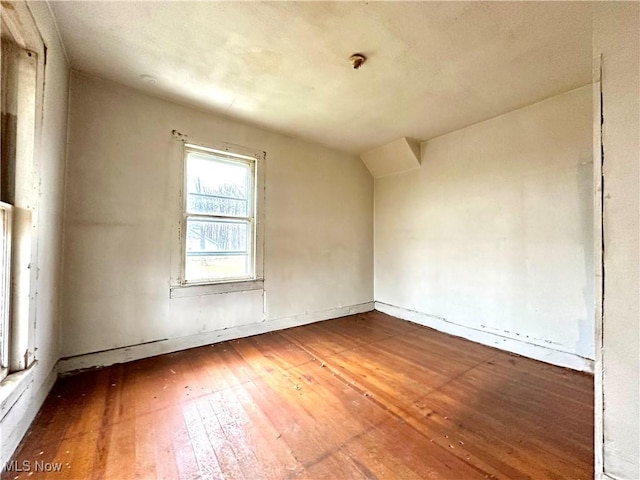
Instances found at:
x=22 y=30
x=5 y=288
x=254 y=281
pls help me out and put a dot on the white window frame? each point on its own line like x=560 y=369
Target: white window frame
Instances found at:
x=6 y=216
x=180 y=286
x=19 y=25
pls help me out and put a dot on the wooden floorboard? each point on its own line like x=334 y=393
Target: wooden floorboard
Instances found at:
x=361 y=397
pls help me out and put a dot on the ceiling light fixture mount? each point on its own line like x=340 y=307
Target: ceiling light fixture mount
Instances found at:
x=357 y=59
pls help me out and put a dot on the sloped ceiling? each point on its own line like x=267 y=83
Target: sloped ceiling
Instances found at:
x=433 y=67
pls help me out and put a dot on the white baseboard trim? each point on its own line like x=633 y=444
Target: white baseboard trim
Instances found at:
x=530 y=350
x=17 y=417
x=604 y=476
x=151 y=349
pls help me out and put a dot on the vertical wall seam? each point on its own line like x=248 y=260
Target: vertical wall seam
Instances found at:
x=57 y=28
x=602 y=265
x=63 y=218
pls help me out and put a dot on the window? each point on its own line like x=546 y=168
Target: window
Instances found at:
x=219 y=221
x=22 y=64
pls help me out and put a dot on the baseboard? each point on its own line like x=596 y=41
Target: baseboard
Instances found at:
x=530 y=350
x=151 y=349
x=18 y=416
x=604 y=476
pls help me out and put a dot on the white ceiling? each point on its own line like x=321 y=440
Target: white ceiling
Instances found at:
x=433 y=67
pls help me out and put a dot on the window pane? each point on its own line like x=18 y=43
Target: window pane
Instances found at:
x=217 y=249
x=217 y=187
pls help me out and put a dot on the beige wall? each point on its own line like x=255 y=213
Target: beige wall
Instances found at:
x=484 y=262
x=492 y=238
x=617 y=39
x=123 y=210
x=29 y=389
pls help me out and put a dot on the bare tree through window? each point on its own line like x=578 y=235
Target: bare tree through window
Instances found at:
x=219 y=217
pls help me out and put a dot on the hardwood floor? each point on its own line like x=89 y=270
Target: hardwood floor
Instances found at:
x=363 y=397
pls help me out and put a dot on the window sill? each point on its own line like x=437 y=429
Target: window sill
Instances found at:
x=197 y=290
x=13 y=386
